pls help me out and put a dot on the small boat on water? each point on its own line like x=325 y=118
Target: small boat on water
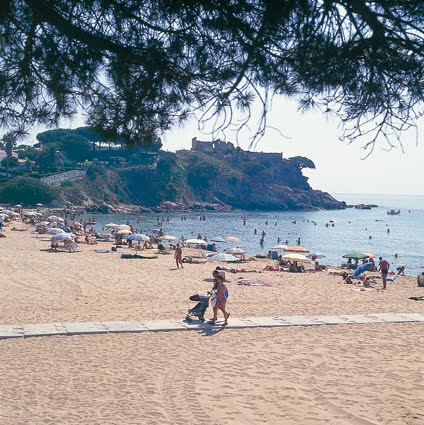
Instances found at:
x=393 y=212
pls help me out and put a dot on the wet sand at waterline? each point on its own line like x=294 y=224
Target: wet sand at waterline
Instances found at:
x=343 y=374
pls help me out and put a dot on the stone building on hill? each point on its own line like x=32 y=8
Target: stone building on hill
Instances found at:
x=227 y=150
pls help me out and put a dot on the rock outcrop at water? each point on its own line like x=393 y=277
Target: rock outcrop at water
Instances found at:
x=202 y=181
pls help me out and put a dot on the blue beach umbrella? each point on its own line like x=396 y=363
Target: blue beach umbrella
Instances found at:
x=360 y=269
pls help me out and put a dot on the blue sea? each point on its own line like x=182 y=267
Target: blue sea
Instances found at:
x=354 y=230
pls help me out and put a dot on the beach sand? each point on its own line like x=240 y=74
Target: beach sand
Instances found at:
x=344 y=374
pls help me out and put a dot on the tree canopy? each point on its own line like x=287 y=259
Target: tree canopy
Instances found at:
x=27 y=191
x=137 y=67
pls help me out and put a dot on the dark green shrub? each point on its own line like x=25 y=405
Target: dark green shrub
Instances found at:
x=27 y=191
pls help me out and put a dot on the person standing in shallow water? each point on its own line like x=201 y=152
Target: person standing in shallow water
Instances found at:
x=178 y=256
x=384 y=269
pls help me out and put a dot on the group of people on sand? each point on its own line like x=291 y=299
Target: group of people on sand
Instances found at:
x=383 y=268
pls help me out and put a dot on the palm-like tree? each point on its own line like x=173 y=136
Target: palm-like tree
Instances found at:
x=10 y=139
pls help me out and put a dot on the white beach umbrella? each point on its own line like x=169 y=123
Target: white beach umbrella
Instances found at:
x=111 y=225
x=55 y=224
x=38 y=205
x=295 y=257
x=138 y=237
x=18 y=206
x=54 y=218
x=62 y=237
x=168 y=238
x=55 y=231
x=195 y=242
x=222 y=256
x=124 y=232
x=43 y=223
x=123 y=227
x=235 y=251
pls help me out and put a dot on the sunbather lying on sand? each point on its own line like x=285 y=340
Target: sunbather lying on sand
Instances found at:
x=238 y=270
x=273 y=268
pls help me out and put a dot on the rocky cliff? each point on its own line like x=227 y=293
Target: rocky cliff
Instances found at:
x=190 y=179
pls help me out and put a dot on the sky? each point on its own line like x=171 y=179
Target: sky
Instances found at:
x=340 y=167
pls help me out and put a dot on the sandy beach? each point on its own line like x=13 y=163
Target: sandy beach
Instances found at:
x=344 y=374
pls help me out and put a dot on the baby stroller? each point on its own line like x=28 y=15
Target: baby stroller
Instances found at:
x=199 y=309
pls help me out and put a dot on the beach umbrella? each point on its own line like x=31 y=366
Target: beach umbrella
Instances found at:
x=279 y=247
x=295 y=257
x=235 y=251
x=38 y=205
x=296 y=249
x=62 y=237
x=55 y=223
x=138 y=237
x=196 y=242
x=7 y=212
x=315 y=256
x=18 y=206
x=354 y=255
x=43 y=223
x=77 y=223
x=369 y=255
x=55 y=218
x=222 y=256
x=232 y=239
x=169 y=238
x=55 y=231
x=218 y=239
x=122 y=227
x=124 y=232
x=360 y=269
x=111 y=225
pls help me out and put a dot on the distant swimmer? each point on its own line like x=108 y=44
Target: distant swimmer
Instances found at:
x=388 y=230
x=256 y=232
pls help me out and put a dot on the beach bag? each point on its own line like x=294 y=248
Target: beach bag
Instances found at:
x=212 y=299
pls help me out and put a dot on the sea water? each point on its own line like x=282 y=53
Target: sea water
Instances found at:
x=354 y=230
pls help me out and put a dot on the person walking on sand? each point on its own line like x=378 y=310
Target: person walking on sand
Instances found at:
x=220 y=295
x=384 y=269
x=178 y=256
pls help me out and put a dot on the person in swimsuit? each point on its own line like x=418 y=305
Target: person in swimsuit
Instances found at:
x=221 y=292
x=178 y=256
x=384 y=268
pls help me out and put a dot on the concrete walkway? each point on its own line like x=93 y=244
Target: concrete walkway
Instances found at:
x=67 y=329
